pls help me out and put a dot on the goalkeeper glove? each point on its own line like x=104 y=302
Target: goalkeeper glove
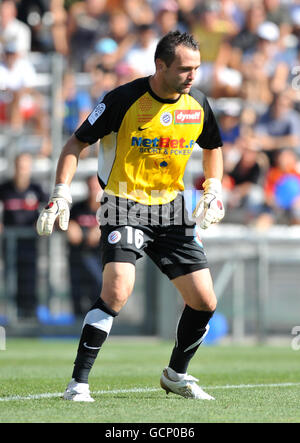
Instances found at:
x=58 y=206
x=210 y=208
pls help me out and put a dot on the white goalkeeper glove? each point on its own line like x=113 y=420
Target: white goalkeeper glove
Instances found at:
x=210 y=208
x=58 y=206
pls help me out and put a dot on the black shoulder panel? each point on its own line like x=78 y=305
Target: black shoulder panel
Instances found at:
x=108 y=115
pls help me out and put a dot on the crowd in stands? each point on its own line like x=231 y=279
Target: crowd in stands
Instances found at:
x=250 y=70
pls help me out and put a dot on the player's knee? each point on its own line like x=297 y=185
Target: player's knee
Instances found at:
x=211 y=305
x=119 y=273
x=121 y=286
x=116 y=294
x=208 y=303
x=116 y=289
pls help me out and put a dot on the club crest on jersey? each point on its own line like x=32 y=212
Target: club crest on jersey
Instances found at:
x=114 y=237
x=166 y=118
x=97 y=112
x=187 y=116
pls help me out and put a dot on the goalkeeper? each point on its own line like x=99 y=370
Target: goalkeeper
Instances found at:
x=147 y=130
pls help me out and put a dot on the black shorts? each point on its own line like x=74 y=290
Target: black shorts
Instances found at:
x=164 y=232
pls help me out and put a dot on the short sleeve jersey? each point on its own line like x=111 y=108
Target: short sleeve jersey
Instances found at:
x=146 y=141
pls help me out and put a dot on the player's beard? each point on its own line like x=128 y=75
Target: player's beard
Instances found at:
x=174 y=85
x=182 y=88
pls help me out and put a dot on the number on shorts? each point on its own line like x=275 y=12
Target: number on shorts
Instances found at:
x=135 y=236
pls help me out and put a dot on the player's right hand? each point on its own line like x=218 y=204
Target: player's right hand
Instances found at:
x=58 y=206
x=210 y=208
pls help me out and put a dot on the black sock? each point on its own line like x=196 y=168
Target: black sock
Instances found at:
x=91 y=340
x=189 y=335
x=90 y=343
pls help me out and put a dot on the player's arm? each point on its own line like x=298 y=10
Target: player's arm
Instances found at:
x=68 y=160
x=61 y=199
x=210 y=208
x=213 y=163
x=104 y=119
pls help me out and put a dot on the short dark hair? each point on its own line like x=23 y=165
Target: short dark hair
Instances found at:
x=167 y=45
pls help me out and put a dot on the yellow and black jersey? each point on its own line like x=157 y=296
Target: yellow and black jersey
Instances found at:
x=146 y=141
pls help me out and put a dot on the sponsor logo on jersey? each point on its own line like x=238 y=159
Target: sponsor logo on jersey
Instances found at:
x=97 y=112
x=114 y=237
x=166 y=118
x=162 y=142
x=187 y=116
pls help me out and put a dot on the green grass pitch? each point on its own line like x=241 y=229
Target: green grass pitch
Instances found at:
x=250 y=383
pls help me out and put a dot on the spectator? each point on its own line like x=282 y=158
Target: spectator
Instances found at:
x=293 y=77
x=141 y=56
x=103 y=80
x=229 y=121
x=233 y=14
x=21 y=199
x=22 y=105
x=230 y=130
x=167 y=17
x=265 y=70
x=139 y=12
x=282 y=191
x=243 y=184
x=279 y=127
x=17 y=78
x=216 y=77
x=59 y=27
x=36 y=14
x=27 y=7
x=13 y=30
x=84 y=256
x=246 y=39
x=77 y=103
x=121 y=32
x=125 y=73
x=88 y=21
x=211 y=30
x=186 y=14
x=295 y=20
x=278 y=13
x=105 y=53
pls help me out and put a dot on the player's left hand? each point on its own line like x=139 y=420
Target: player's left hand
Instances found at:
x=210 y=208
x=58 y=207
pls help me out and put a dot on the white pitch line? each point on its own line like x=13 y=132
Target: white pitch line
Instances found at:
x=262 y=385
x=144 y=390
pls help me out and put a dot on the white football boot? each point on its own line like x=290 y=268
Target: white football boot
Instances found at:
x=77 y=392
x=186 y=386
